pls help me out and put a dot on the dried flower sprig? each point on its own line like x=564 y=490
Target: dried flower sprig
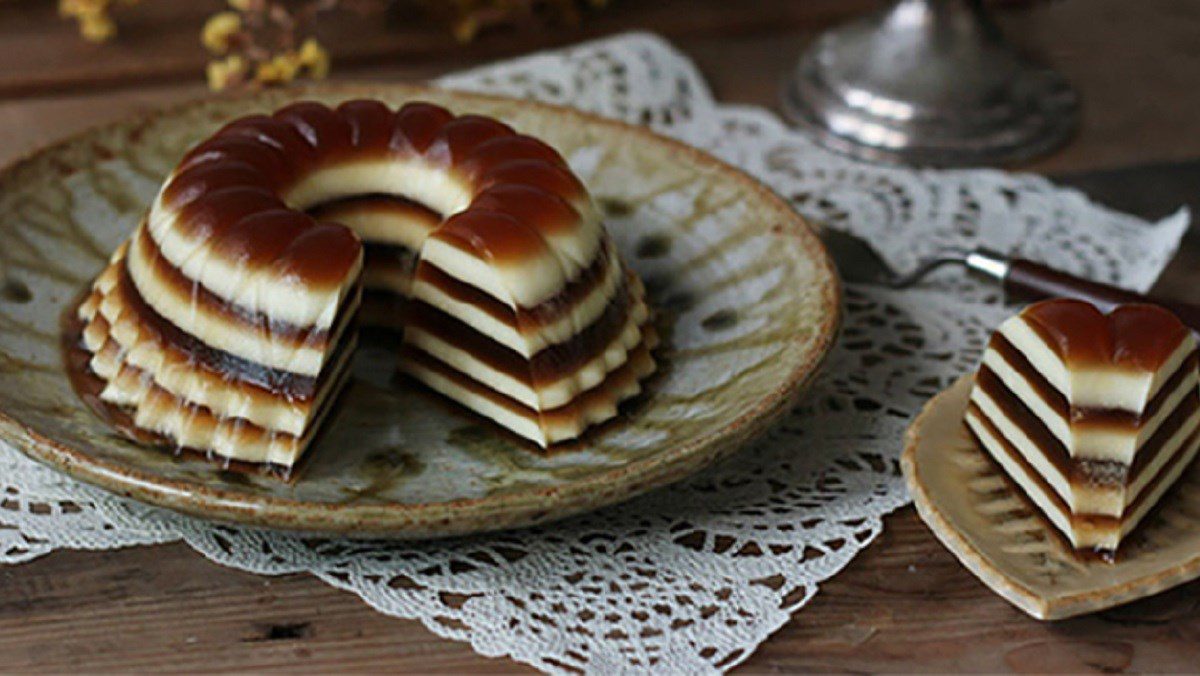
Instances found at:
x=258 y=43
x=94 y=17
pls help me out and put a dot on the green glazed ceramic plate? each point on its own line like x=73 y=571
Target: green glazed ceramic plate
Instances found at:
x=747 y=302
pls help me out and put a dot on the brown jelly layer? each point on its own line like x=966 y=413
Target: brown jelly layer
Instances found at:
x=284 y=383
x=549 y=365
x=1082 y=471
x=255 y=228
x=375 y=203
x=542 y=210
x=1139 y=337
x=209 y=301
x=251 y=432
x=1083 y=554
x=1163 y=473
x=1187 y=409
x=88 y=386
x=388 y=256
x=1095 y=521
x=382 y=310
x=227 y=184
x=494 y=236
x=380 y=297
x=562 y=414
x=522 y=319
x=1091 y=417
x=1100 y=521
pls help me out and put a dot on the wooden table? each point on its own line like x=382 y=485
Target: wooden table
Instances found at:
x=904 y=604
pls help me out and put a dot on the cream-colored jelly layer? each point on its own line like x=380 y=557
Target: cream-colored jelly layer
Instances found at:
x=1089 y=442
x=186 y=381
x=1135 y=516
x=123 y=390
x=395 y=279
x=391 y=274
x=219 y=330
x=381 y=217
x=536 y=278
x=560 y=330
x=439 y=188
x=383 y=221
x=1028 y=483
x=1082 y=498
x=445 y=191
x=193 y=384
x=1102 y=388
x=600 y=405
x=548 y=395
x=1083 y=534
x=189 y=424
x=525 y=282
x=367 y=218
x=256 y=289
x=158 y=411
x=108 y=322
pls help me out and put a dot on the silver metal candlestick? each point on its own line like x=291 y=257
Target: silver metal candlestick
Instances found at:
x=928 y=82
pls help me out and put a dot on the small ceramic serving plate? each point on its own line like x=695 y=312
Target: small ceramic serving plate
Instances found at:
x=746 y=298
x=996 y=533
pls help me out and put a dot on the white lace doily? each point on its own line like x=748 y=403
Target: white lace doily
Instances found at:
x=693 y=577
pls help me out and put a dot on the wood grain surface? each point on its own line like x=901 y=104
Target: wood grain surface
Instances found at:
x=904 y=604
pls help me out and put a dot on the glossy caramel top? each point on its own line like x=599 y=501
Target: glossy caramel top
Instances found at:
x=1133 y=337
x=227 y=189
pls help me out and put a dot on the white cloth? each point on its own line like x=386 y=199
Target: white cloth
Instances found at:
x=694 y=577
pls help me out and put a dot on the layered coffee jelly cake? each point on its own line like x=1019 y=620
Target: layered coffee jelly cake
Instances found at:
x=1092 y=416
x=227 y=322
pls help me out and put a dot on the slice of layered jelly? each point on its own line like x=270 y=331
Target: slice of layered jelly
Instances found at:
x=1094 y=417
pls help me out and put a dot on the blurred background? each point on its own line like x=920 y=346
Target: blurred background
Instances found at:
x=73 y=63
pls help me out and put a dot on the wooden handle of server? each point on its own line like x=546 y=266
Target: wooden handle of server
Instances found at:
x=1029 y=280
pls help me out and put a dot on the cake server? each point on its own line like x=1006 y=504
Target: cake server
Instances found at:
x=1021 y=278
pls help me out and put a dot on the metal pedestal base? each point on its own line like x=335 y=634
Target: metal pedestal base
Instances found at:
x=928 y=82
